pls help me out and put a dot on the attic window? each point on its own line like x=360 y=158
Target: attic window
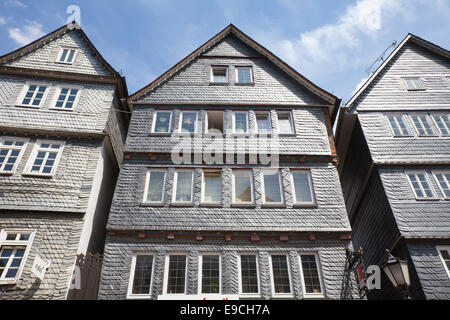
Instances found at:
x=219 y=74
x=244 y=75
x=66 y=55
x=414 y=83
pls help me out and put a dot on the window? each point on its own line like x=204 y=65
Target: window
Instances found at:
x=423 y=125
x=67 y=98
x=281 y=279
x=183 y=186
x=303 y=191
x=263 y=123
x=155 y=186
x=175 y=274
x=272 y=190
x=11 y=152
x=443 y=123
x=420 y=185
x=45 y=157
x=66 y=55
x=414 y=83
x=212 y=186
x=162 y=122
x=32 y=95
x=285 y=125
x=312 y=281
x=249 y=284
x=188 y=122
x=240 y=122
x=141 y=276
x=14 y=248
x=210 y=273
x=444 y=254
x=244 y=75
x=219 y=74
x=214 y=122
x=443 y=179
x=242 y=181
x=398 y=126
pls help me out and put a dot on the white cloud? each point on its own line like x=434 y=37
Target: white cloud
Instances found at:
x=30 y=32
x=359 y=85
x=14 y=3
x=2 y=20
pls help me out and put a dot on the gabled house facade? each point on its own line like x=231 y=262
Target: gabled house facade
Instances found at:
x=393 y=142
x=63 y=125
x=229 y=186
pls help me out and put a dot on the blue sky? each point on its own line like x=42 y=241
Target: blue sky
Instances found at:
x=330 y=42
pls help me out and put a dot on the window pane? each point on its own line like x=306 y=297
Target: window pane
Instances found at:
x=310 y=274
x=213 y=186
x=443 y=122
x=263 y=123
x=240 y=122
x=302 y=186
x=220 y=75
x=177 y=274
x=249 y=274
x=272 y=188
x=188 y=121
x=244 y=75
x=184 y=187
x=242 y=186
x=444 y=182
x=285 y=123
x=162 y=122
x=280 y=274
x=156 y=186
x=142 y=275
x=210 y=274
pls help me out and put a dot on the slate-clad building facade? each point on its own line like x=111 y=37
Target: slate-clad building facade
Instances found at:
x=62 y=132
x=393 y=140
x=232 y=226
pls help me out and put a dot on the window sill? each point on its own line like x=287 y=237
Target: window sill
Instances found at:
x=273 y=205
x=61 y=109
x=318 y=296
x=212 y=204
x=244 y=83
x=240 y=135
x=243 y=205
x=8 y=282
x=428 y=199
x=212 y=83
x=287 y=134
x=138 y=297
x=250 y=296
x=27 y=106
x=38 y=175
x=6 y=173
x=304 y=205
x=150 y=204
x=161 y=134
x=282 y=296
x=62 y=62
x=182 y=204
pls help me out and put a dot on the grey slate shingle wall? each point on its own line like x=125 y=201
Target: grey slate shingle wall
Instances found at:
x=117 y=260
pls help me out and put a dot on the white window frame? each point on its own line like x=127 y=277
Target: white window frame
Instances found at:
x=19 y=157
x=202 y=201
x=200 y=271
x=263 y=189
x=272 y=282
x=439 y=248
x=434 y=116
x=430 y=123
x=438 y=183
x=60 y=53
x=26 y=87
x=236 y=68
x=58 y=93
x=155 y=114
x=36 y=149
x=17 y=243
x=403 y=118
x=433 y=197
x=291 y=118
x=166 y=273
x=181 y=118
x=269 y=119
x=212 y=74
x=320 y=295
x=417 y=78
x=175 y=183
x=147 y=180
x=311 y=188
x=249 y=295
x=252 y=186
x=234 y=122
x=130 y=294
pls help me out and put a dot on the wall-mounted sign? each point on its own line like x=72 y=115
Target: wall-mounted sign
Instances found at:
x=40 y=266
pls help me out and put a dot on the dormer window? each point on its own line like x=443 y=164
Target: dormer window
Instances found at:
x=219 y=74
x=244 y=75
x=66 y=55
x=414 y=83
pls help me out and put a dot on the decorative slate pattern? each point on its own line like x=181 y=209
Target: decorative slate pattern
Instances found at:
x=231 y=46
x=117 y=259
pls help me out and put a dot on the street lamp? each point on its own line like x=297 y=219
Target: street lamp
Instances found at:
x=397 y=272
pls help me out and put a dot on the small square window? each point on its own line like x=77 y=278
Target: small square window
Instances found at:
x=398 y=125
x=44 y=158
x=219 y=74
x=244 y=75
x=423 y=124
x=162 y=122
x=443 y=123
x=66 y=55
x=67 y=98
x=32 y=95
x=420 y=185
x=414 y=83
x=11 y=152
